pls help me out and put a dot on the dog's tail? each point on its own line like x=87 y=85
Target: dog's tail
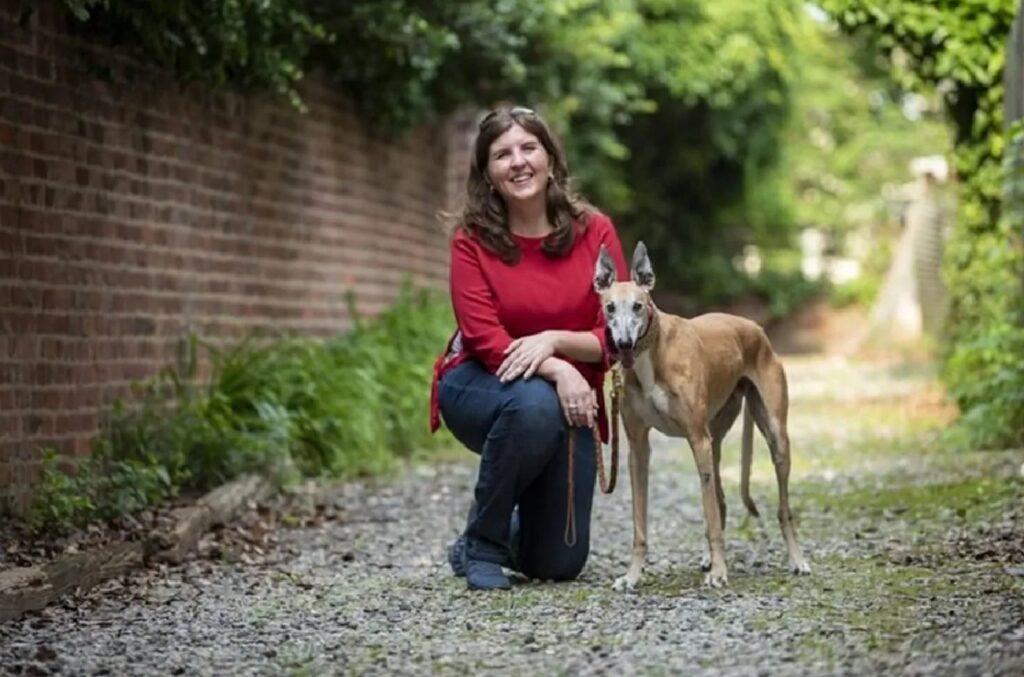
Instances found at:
x=745 y=460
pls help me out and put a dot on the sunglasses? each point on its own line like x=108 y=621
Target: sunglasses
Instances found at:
x=515 y=111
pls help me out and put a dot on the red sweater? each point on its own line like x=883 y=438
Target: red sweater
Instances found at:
x=495 y=302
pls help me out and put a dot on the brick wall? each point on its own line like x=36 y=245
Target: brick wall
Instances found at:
x=132 y=214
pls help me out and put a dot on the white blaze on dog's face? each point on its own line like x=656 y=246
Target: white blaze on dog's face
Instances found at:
x=625 y=304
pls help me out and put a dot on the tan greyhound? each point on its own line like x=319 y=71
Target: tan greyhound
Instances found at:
x=689 y=378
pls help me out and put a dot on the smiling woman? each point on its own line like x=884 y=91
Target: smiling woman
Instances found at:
x=523 y=253
x=518 y=144
x=519 y=169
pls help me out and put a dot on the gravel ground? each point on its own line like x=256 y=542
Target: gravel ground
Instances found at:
x=918 y=559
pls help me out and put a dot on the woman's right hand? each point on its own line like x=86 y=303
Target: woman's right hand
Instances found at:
x=578 y=399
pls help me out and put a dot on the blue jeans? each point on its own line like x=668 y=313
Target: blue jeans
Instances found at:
x=519 y=432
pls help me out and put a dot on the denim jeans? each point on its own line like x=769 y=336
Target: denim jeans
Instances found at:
x=519 y=432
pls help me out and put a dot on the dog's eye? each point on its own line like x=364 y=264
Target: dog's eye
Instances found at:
x=637 y=307
x=610 y=307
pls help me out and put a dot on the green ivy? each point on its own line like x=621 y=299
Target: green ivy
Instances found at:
x=958 y=47
x=251 y=44
x=985 y=368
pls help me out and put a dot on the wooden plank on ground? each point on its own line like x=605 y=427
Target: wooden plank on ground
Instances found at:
x=188 y=524
x=31 y=588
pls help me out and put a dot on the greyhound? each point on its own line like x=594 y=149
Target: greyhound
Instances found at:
x=689 y=378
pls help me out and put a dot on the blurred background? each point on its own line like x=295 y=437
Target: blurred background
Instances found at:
x=182 y=177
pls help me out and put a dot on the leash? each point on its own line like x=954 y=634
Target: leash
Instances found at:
x=607 y=482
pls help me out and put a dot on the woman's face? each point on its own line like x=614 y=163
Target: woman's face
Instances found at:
x=518 y=166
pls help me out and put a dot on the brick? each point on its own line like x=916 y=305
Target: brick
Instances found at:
x=10 y=426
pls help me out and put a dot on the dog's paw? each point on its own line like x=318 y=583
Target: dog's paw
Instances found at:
x=625 y=584
x=716 y=580
x=801 y=568
x=705 y=562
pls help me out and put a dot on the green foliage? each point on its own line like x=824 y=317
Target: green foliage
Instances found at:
x=674 y=113
x=404 y=62
x=702 y=163
x=861 y=291
x=707 y=81
x=780 y=285
x=253 y=44
x=401 y=62
x=784 y=289
x=849 y=141
x=343 y=407
x=984 y=366
x=61 y=498
x=957 y=47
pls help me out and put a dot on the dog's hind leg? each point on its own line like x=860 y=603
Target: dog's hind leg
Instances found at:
x=768 y=404
x=639 y=468
x=746 y=458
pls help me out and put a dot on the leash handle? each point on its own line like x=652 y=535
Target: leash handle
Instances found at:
x=608 y=484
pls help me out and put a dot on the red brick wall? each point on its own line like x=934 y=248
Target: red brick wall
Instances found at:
x=132 y=214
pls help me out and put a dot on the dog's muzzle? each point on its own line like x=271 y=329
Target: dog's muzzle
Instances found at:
x=623 y=351
x=626 y=354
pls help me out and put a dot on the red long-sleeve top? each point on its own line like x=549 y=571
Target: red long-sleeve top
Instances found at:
x=495 y=302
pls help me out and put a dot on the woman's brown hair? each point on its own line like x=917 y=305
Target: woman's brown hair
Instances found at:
x=485 y=215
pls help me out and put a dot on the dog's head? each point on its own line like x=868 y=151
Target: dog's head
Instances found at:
x=627 y=306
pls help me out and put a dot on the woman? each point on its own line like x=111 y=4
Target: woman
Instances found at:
x=529 y=356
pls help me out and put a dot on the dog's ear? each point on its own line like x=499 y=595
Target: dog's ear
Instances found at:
x=641 y=271
x=604 y=271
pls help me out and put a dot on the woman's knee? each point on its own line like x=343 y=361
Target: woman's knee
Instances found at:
x=536 y=407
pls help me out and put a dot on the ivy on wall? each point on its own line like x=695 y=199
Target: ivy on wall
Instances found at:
x=249 y=44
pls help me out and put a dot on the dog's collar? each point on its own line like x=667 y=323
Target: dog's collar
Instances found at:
x=650 y=322
x=652 y=319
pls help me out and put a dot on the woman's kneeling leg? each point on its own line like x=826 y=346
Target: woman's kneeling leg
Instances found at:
x=515 y=427
x=543 y=552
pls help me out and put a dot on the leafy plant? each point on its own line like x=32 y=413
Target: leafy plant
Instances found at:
x=287 y=406
x=984 y=367
x=250 y=44
x=62 y=497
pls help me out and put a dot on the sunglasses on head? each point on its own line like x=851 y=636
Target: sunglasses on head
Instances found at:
x=514 y=111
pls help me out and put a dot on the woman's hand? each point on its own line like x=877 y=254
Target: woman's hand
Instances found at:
x=524 y=355
x=578 y=399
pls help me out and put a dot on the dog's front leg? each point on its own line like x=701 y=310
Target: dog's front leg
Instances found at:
x=703 y=456
x=639 y=466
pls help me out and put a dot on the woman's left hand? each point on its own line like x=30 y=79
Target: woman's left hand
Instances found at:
x=524 y=355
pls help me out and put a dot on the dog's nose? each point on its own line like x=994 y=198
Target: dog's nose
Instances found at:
x=624 y=344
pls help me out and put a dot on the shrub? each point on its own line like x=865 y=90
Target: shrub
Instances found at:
x=290 y=407
x=984 y=367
